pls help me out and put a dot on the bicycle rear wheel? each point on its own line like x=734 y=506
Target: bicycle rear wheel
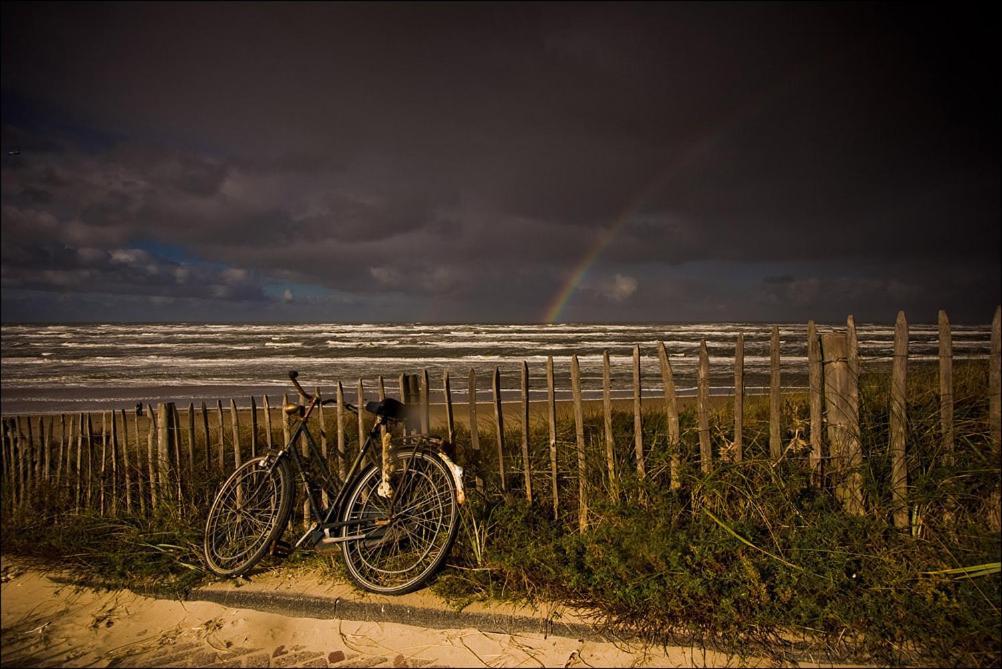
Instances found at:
x=407 y=547
x=249 y=513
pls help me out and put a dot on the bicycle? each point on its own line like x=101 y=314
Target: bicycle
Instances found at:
x=395 y=521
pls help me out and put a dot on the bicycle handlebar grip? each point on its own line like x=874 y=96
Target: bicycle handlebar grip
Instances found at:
x=293 y=374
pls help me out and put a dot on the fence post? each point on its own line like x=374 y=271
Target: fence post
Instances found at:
x=267 y=421
x=62 y=448
x=176 y=442
x=703 y=410
x=737 y=448
x=139 y=467
x=499 y=424
x=163 y=446
x=474 y=428
x=450 y=426
x=221 y=438
x=671 y=412
x=253 y=432
x=235 y=423
x=899 y=424
x=579 y=434
x=610 y=449
x=775 y=443
x=638 y=420
x=341 y=455
x=425 y=417
x=125 y=463
x=995 y=383
x=946 y=386
x=843 y=439
x=152 y=429
x=852 y=346
x=208 y=443
x=526 y=463
x=104 y=458
x=814 y=389
x=360 y=403
x=79 y=477
x=551 y=415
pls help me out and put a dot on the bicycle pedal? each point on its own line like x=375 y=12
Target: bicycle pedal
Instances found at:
x=281 y=549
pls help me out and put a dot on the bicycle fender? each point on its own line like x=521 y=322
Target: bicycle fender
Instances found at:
x=457 y=476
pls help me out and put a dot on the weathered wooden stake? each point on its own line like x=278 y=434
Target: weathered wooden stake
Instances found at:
x=175 y=423
x=139 y=467
x=845 y=456
x=852 y=352
x=671 y=414
x=79 y=477
x=551 y=416
x=499 y=424
x=253 y=433
x=579 y=434
x=104 y=459
x=405 y=398
x=703 y=410
x=995 y=384
x=775 y=443
x=125 y=463
x=899 y=425
x=286 y=431
x=610 y=442
x=235 y=422
x=946 y=387
x=152 y=429
x=221 y=455
x=815 y=401
x=447 y=395
x=360 y=403
x=638 y=420
x=267 y=422
x=526 y=463
x=737 y=448
x=62 y=450
x=163 y=448
x=474 y=428
x=341 y=455
x=208 y=442
x=425 y=400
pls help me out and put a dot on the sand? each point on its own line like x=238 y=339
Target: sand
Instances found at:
x=47 y=623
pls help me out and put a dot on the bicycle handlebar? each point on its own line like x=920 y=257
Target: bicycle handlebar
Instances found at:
x=294 y=375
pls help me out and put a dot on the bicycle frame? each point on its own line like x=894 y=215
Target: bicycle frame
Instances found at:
x=324 y=528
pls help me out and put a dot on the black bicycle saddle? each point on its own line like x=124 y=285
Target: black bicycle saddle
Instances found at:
x=387 y=408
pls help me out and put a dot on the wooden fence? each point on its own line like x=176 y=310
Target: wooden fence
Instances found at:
x=139 y=462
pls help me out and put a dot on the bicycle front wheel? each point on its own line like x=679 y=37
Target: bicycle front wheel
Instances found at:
x=412 y=539
x=249 y=513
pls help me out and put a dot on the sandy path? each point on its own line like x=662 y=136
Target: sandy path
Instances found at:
x=45 y=623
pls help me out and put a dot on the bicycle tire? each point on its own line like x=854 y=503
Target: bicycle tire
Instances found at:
x=276 y=492
x=427 y=475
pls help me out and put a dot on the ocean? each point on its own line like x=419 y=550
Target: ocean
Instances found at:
x=64 y=368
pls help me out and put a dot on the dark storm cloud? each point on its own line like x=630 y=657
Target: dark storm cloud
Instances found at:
x=459 y=160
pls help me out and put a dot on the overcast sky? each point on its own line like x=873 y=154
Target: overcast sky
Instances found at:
x=460 y=162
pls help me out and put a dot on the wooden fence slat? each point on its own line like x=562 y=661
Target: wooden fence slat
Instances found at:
x=526 y=463
x=104 y=459
x=221 y=440
x=208 y=442
x=551 y=416
x=46 y=449
x=163 y=446
x=7 y=488
x=125 y=463
x=474 y=428
x=79 y=476
x=322 y=425
x=175 y=421
x=899 y=424
x=425 y=417
x=703 y=410
x=852 y=358
x=62 y=450
x=253 y=432
x=360 y=403
x=341 y=455
x=139 y=467
x=946 y=387
x=579 y=435
x=815 y=401
x=995 y=384
x=638 y=419
x=775 y=442
x=114 y=464
x=267 y=422
x=499 y=425
x=286 y=432
x=152 y=429
x=402 y=380
x=845 y=457
x=235 y=422
x=450 y=426
x=671 y=414
x=610 y=443
x=33 y=461
x=737 y=447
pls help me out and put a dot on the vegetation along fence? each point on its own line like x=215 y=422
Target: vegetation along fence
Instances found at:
x=168 y=458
